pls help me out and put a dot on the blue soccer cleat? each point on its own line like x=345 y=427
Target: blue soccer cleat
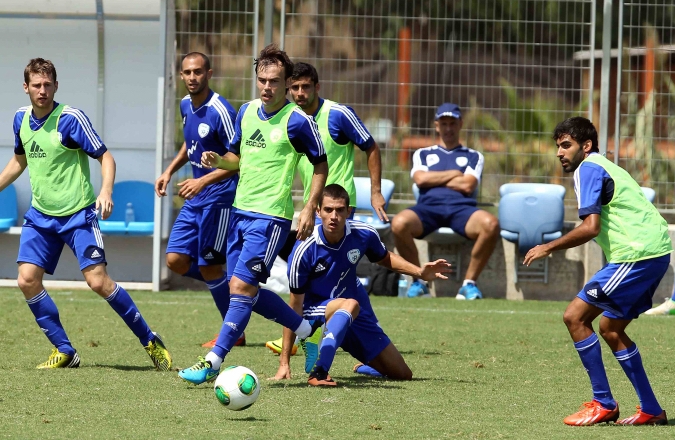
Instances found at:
x=311 y=345
x=418 y=289
x=199 y=373
x=469 y=292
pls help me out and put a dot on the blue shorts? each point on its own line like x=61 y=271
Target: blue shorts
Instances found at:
x=253 y=244
x=625 y=290
x=43 y=237
x=201 y=233
x=364 y=339
x=439 y=216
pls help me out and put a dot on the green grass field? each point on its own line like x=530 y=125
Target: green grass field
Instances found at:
x=483 y=370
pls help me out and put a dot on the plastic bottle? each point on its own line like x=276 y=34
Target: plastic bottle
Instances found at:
x=402 y=287
x=129 y=215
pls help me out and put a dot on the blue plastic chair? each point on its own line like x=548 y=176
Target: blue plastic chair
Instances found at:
x=142 y=197
x=649 y=193
x=8 y=208
x=362 y=185
x=548 y=188
x=531 y=214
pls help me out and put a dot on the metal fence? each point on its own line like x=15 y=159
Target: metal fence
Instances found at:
x=517 y=67
x=645 y=108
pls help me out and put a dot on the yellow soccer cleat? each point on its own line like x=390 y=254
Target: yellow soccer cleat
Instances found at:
x=60 y=360
x=159 y=354
x=276 y=345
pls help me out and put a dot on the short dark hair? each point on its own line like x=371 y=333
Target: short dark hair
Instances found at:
x=305 y=70
x=207 y=62
x=39 y=66
x=271 y=55
x=334 y=191
x=580 y=129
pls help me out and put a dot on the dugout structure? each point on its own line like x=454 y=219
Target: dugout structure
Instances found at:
x=110 y=57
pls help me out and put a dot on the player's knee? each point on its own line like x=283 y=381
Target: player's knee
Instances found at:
x=570 y=319
x=176 y=263
x=399 y=225
x=352 y=306
x=492 y=226
x=27 y=282
x=608 y=334
x=403 y=372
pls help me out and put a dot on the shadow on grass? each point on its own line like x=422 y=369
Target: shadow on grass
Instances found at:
x=122 y=367
x=361 y=382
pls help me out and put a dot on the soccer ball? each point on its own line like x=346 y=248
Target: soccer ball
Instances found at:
x=237 y=388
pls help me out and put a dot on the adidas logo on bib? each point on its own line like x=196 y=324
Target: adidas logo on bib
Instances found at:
x=36 y=152
x=256 y=140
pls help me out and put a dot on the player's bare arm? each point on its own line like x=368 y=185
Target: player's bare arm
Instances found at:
x=306 y=218
x=104 y=203
x=585 y=232
x=284 y=371
x=429 y=179
x=465 y=184
x=191 y=187
x=12 y=170
x=211 y=159
x=428 y=271
x=163 y=181
x=375 y=170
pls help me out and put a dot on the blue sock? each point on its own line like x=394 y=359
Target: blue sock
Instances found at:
x=121 y=302
x=591 y=357
x=336 y=329
x=631 y=362
x=220 y=291
x=236 y=320
x=270 y=306
x=367 y=370
x=193 y=272
x=47 y=317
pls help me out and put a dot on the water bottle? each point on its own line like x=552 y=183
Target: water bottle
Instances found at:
x=129 y=214
x=402 y=287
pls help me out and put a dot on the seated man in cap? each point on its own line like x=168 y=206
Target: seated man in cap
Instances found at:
x=447 y=175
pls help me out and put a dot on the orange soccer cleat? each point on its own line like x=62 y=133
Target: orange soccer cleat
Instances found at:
x=212 y=343
x=320 y=378
x=642 y=418
x=592 y=413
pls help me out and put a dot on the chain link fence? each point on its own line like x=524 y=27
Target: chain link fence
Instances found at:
x=516 y=67
x=645 y=110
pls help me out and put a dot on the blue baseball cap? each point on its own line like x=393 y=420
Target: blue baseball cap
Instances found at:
x=448 y=109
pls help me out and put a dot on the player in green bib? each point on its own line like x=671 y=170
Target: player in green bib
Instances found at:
x=55 y=142
x=634 y=237
x=341 y=130
x=271 y=134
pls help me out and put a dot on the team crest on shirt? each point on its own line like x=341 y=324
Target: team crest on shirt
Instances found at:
x=461 y=161
x=57 y=138
x=354 y=255
x=203 y=130
x=432 y=159
x=275 y=135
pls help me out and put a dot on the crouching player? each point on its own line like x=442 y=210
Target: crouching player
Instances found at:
x=324 y=287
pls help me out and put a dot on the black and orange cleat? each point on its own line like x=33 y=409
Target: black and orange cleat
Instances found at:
x=320 y=378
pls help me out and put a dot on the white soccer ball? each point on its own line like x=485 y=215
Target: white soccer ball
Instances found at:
x=237 y=388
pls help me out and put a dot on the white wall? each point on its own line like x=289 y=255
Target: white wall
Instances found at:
x=66 y=32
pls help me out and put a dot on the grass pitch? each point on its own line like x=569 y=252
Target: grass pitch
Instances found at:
x=483 y=370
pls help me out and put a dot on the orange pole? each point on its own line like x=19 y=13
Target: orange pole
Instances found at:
x=403 y=113
x=650 y=66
